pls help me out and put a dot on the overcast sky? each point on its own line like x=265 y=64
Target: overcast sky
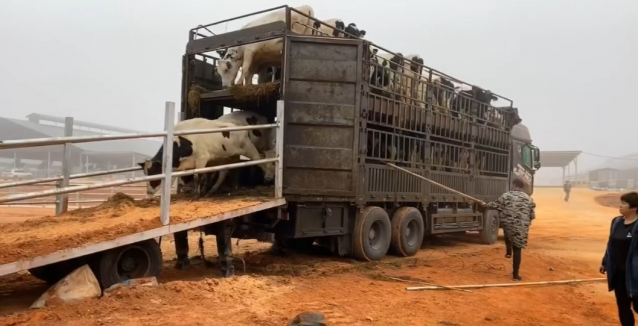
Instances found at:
x=570 y=66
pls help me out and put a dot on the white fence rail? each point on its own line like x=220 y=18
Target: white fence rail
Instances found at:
x=166 y=176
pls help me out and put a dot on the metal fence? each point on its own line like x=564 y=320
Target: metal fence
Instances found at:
x=63 y=188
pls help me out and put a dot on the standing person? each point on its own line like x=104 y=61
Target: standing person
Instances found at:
x=620 y=262
x=516 y=210
x=568 y=188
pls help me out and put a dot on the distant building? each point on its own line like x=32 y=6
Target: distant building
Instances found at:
x=85 y=157
x=620 y=173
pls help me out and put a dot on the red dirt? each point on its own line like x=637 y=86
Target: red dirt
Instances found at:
x=119 y=216
x=567 y=241
x=609 y=200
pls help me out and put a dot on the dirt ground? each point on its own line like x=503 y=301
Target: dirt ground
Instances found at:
x=567 y=242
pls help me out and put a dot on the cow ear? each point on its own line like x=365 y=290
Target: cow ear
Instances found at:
x=141 y=164
x=222 y=53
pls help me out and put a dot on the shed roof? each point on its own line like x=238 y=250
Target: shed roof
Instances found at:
x=558 y=159
x=11 y=129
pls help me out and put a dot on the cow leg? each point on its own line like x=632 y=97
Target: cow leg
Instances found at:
x=221 y=176
x=181 y=249
x=246 y=67
x=223 y=231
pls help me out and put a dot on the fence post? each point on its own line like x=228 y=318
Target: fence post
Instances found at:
x=62 y=201
x=167 y=166
x=279 y=150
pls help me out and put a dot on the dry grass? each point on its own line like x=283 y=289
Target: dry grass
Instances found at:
x=248 y=93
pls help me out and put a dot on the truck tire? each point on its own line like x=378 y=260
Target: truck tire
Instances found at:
x=407 y=231
x=137 y=260
x=372 y=234
x=54 y=272
x=489 y=234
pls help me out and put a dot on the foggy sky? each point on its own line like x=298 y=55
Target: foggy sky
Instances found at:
x=570 y=66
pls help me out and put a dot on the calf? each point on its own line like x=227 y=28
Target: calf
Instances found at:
x=251 y=57
x=473 y=102
x=337 y=28
x=387 y=65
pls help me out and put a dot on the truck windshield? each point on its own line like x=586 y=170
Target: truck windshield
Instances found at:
x=527 y=155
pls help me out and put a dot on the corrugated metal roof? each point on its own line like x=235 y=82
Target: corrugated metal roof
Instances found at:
x=11 y=129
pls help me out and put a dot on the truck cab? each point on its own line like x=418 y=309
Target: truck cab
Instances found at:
x=525 y=158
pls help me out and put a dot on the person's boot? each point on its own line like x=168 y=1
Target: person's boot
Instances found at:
x=517 y=278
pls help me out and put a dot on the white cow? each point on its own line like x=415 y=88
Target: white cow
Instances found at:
x=196 y=151
x=252 y=57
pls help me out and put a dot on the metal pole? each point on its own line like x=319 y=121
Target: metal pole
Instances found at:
x=576 y=168
x=48 y=163
x=167 y=166
x=86 y=163
x=15 y=159
x=62 y=202
x=563 y=175
x=279 y=151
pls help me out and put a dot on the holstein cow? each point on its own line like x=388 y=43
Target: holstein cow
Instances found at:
x=336 y=27
x=252 y=57
x=383 y=73
x=474 y=102
x=260 y=138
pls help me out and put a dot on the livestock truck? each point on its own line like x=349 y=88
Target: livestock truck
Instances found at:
x=338 y=128
x=341 y=127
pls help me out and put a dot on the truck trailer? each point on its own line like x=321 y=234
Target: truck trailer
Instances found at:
x=337 y=130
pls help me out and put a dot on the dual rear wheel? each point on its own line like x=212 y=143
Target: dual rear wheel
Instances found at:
x=375 y=233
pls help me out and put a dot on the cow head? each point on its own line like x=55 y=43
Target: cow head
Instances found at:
x=353 y=30
x=416 y=63
x=340 y=26
x=152 y=167
x=228 y=67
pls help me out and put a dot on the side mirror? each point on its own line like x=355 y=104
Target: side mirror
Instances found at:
x=537 y=165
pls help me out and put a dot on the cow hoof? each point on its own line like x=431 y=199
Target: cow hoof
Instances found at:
x=183 y=264
x=228 y=271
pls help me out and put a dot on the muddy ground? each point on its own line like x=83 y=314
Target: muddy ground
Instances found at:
x=567 y=241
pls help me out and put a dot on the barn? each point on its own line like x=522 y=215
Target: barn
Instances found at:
x=85 y=157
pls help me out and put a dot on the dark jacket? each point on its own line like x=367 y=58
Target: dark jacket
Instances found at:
x=632 y=260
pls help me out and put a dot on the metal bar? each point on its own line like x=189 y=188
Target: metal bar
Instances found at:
x=62 y=204
x=133 y=238
x=279 y=151
x=167 y=166
x=22 y=143
x=235 y=18
x=73 y=176
x=67 y=190
x=215 y=130
x=435 y=183
x=223 y=167
x=244 y=36
x=53 y=202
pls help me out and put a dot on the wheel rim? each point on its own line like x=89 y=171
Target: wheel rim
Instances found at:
x=411 y=233
x=376 y=235
x=132 y=263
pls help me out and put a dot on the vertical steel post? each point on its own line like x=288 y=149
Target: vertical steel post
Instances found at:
x=48 y=163
x=62 y=202
x=279 y=151
x=167 y=166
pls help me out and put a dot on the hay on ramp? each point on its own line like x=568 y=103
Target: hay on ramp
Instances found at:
x=249 y=93
x=194 y=99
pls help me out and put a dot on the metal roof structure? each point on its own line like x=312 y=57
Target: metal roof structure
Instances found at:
x=558 y=159
x=120 y=150
x=37 y=117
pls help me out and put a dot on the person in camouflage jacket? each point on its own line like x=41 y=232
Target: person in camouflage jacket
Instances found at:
x=516 y=212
